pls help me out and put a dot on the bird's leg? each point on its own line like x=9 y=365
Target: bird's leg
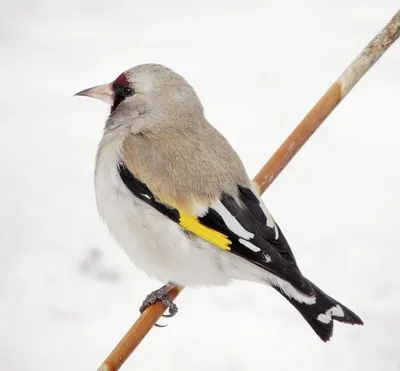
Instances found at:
x=162 y=295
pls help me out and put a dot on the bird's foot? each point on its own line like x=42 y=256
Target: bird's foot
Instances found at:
x=160 y=295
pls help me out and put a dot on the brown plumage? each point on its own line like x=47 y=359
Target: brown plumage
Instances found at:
x=185 y=166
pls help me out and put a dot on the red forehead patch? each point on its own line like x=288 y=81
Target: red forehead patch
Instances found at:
x=122 y=80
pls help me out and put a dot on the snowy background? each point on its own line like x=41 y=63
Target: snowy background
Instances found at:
x=68 y=293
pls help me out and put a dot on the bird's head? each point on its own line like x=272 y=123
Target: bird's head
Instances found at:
x=146 y=96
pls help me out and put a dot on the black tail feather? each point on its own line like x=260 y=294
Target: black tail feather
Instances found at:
x=321 y=315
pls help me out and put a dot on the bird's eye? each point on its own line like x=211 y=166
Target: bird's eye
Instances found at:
x=127 y=91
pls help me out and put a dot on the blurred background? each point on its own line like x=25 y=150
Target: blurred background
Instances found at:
x=68 y=293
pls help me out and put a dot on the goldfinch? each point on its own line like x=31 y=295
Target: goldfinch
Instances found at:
x=177 y=198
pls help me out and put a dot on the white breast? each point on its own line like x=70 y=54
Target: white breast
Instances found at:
x=154 y=243
x=157 y=245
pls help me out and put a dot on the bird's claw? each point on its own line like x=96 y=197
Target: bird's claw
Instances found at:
x=160 y=295
x=168 y=315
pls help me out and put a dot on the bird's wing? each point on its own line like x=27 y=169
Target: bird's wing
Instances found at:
x=247 y=230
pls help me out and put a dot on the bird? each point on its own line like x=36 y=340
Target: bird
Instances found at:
x=176 y=197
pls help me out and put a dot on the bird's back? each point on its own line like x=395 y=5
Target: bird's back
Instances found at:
x=185 y=163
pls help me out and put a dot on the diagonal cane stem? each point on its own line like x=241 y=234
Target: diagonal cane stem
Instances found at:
x=272 y=169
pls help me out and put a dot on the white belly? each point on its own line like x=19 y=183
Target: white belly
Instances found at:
x=155 y=244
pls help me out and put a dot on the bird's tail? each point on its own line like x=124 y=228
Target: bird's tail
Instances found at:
x=320 y=315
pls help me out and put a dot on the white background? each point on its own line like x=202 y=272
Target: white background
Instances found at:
x=67 y=291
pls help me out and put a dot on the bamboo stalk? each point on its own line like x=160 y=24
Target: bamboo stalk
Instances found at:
x=340 y=88
x=136 y=334
x=272 y=169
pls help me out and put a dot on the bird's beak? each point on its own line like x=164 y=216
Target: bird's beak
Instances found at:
x=103 y=92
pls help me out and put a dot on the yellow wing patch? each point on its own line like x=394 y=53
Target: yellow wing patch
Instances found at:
x=192 y=224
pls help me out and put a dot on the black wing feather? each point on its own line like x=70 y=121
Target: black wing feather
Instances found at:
x=251 y=201
x=252 y=218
